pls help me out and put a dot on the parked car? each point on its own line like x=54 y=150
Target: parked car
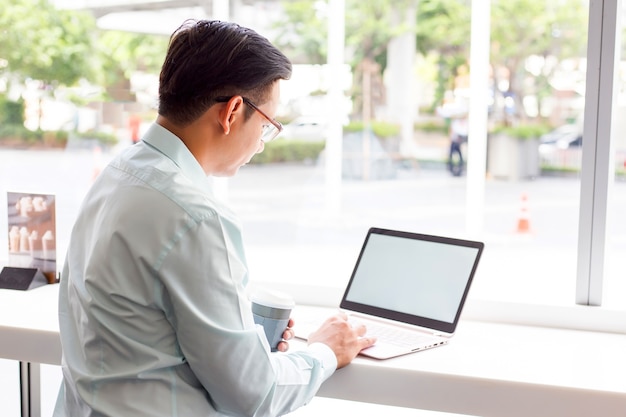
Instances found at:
x=562 y=147
x=310 y=128
x=563 y=137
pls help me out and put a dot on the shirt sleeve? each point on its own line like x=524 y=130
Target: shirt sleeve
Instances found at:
x=203 y=277
x=299 y=376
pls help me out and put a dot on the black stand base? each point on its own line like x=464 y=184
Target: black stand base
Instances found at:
x=12 y=278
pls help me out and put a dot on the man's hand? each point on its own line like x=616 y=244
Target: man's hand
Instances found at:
x=288 y=334
x=346 y=341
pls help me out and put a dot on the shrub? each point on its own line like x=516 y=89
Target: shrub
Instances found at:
x=433 y=127
x=17 y=134
x=530 y=131
x=11 y=112
x=382 y=130
x=12 y=135
x=283 y=150
x=102 y=137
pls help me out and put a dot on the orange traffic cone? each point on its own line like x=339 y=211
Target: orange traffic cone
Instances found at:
x=523 y=222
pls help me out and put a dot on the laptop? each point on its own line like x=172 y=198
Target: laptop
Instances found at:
x=408 y=289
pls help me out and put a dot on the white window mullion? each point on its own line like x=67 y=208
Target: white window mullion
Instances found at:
x=597 y=168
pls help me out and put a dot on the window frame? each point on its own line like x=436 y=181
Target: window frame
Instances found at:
x=597 y=172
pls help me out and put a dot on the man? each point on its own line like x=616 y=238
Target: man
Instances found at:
x=153 y=313
x=458 y=135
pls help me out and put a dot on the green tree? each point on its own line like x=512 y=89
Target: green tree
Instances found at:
x=444 y=28
x=302 y=35
x=45 y=44
x=123 y=53
x=553 y=31
x=61 y=47
x=369 y=27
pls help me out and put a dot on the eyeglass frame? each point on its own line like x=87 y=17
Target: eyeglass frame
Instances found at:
x=275 y=123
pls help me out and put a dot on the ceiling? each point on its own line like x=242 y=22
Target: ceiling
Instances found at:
x=164 y=16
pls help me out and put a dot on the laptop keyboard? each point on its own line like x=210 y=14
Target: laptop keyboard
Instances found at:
x=394 y=335
x=385 y=334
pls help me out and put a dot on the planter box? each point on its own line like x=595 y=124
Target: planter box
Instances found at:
x=376 y=164
x=512 y=158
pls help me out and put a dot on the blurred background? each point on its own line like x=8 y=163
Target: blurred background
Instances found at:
x=424 y=115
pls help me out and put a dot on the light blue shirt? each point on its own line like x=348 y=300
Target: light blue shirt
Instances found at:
x=153 y=312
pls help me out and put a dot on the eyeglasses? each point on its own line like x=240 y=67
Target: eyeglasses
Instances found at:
x=271 y=130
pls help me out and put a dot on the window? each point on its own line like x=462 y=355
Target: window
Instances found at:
x=530 y=215
x=304 y=231
x=532 y=220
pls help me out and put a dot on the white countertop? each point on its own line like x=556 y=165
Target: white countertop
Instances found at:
x=490 y=369
x=29 y=325
x=486 y=369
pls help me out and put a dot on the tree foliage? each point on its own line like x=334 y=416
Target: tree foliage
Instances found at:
x=520 y=29
x=443 y=29
x=46 y=44
x=369 y=27
x=302 y=35
x=122 y=53
x=553 y=31
x=443 y=26
x=61 y=47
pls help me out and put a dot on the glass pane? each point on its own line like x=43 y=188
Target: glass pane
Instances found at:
x=66 y=173
x=297 y=233
x=532 y=189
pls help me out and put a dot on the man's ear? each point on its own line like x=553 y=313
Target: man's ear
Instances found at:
x=230 y=112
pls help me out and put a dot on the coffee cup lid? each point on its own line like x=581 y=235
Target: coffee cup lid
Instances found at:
x=271 y=298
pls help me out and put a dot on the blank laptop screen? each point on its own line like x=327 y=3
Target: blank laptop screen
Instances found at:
x=424 y=278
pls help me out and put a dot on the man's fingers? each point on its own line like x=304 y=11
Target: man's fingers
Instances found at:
x=342 y=315
x=366 y=342
x=288 y=334
x=360 y=329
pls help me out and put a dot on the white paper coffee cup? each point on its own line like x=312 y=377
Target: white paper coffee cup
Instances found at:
x=272 y=309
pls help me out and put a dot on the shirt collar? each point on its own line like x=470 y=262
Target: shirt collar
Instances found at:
x=174 y=148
